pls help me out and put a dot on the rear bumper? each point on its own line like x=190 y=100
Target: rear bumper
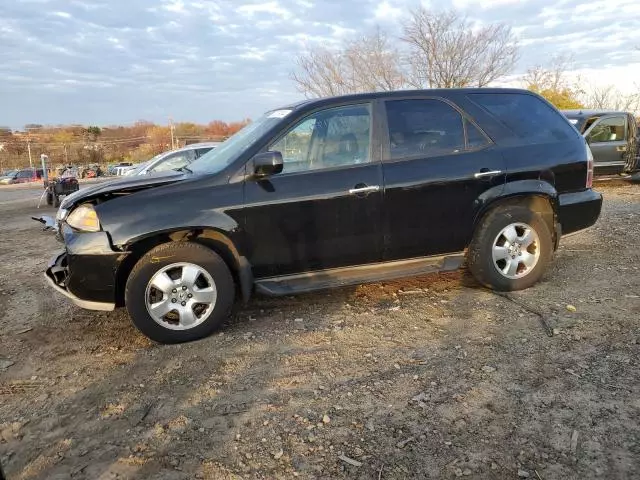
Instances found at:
x=579 y=210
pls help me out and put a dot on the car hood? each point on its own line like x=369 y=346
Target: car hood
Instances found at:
x=122 y=185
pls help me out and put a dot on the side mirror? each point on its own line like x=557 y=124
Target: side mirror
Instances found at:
x=267 y=163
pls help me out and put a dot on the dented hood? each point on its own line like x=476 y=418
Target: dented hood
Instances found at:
x=122 y=185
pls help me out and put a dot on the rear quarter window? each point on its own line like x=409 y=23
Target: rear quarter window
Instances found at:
x=527 y=116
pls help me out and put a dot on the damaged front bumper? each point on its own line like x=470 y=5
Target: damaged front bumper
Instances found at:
x=57 y=275
x=87 y=271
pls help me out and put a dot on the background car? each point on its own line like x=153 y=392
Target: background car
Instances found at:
x=174 y=159
x=22 y=176
x=612 y=137
x=119 y=168
x=6 y=176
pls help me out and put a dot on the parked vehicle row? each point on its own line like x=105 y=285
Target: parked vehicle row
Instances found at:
x=332 y=192
x=172 y=160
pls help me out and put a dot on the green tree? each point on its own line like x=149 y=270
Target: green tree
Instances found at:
x=93 y=132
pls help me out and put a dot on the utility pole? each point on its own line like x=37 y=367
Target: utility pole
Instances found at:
x=29 y=150
x=171 y=128
x=66 y=156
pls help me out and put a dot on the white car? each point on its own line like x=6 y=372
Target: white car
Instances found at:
x=173 y=159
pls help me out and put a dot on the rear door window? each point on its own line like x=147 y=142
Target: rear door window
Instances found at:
x=423 y=128
x=475 y=138
x=531 y=119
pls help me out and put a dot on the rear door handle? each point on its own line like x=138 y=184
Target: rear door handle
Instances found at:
x=621 y=148
x=361 y=190
x=487 y=173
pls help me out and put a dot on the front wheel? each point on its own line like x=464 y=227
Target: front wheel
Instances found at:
x=178 y=292
x=511 y=248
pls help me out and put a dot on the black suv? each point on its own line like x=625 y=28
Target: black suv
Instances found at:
x=333 y=192
x=612 y=137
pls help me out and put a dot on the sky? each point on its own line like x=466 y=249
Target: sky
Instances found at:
x=104 y=62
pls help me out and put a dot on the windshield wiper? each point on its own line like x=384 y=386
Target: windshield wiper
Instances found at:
x=183 y=169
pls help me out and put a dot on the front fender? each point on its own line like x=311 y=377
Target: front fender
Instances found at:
x=131 y=218
x=198 y=211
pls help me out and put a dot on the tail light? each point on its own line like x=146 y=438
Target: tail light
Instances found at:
x=589 y=168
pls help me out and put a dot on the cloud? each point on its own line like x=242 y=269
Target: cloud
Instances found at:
x=100 y=61
x=269 y=8
x=61 y=14
x=385 y=11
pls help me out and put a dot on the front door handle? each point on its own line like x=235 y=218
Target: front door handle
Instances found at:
x=358 y=190
x=485 y=172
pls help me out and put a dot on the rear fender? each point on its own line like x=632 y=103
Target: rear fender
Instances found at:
x=538 y=195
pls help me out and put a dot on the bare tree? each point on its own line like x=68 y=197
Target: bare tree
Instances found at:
x=446 y=51
x=367 y=64
x=552 y=82
x=552 y=76
x=611 y=98
x=376 y=65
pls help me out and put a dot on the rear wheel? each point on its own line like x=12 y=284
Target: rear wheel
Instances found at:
x=511 y=248
x=179 y=292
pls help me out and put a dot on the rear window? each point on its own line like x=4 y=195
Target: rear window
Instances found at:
x=527 y=116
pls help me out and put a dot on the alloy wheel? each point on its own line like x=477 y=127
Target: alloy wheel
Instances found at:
x=516 y=250
x=180 y=296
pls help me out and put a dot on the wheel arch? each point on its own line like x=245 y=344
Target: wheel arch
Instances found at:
x=537 y=195
x=211 y=238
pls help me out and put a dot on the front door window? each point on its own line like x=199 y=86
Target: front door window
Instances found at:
x=337 y=137
x=612 y=129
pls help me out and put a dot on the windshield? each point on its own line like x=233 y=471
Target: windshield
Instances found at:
x=218 y=158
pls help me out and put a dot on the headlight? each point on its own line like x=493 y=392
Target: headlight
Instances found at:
x=84 y=218
x=62 y=214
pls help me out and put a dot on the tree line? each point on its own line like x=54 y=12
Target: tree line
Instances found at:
x=83 y=145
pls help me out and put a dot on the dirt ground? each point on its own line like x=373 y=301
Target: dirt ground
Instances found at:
x=422 y=378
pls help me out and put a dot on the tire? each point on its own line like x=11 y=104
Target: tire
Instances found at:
x=177 y=257
x=56 y=200
x=490 y=233
x=49 y=198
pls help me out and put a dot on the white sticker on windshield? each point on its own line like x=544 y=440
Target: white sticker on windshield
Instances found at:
x=279 y=113
x=574 y=121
